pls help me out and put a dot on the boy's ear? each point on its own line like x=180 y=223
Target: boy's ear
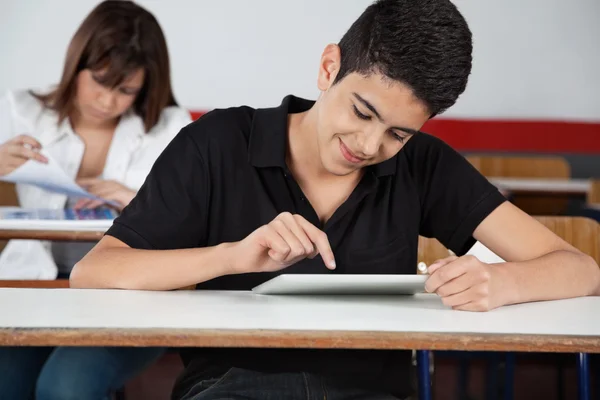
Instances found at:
x=329 y=66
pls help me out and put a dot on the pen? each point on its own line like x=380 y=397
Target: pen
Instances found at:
x=422 y=268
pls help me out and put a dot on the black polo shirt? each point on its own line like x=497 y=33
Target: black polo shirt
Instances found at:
x=225 y=175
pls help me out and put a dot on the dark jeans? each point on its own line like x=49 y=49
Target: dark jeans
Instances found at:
x=65 y=373
x=251 y=385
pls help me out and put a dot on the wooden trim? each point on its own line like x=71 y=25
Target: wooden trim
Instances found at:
x=37 y=284
x=297 y=339
x=59 y=236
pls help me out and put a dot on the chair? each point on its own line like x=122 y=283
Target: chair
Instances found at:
x=8 y=197
x=592 y=208
x=527 y=167
x=521 y=167
x=430 y=250
x=8 y=194
x=593 y=197
x=581 y=233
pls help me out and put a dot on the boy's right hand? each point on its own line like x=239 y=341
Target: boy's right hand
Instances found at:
x=17 y=151
x=282 y=242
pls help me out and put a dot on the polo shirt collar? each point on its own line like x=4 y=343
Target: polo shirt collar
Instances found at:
x=268 y=136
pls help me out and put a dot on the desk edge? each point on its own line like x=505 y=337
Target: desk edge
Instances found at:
x=297 y=339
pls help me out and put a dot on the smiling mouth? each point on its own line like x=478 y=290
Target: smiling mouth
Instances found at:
x=348 y=154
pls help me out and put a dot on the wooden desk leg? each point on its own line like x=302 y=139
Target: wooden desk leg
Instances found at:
x=583 y=369
x=423 y=374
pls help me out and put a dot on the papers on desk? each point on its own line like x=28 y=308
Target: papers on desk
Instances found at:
x=45 y=219
x=49 y=177
x=484 y=254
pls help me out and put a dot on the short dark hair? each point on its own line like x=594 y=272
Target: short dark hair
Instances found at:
x=121 y=36
x=425 y=44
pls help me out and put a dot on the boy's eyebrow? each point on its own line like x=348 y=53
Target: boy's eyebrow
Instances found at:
x=368 y=105
x=372 y=108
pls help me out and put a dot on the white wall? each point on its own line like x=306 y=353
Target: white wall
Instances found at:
x=533 y=58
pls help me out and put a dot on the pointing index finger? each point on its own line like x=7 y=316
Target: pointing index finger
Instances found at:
x=319 y=238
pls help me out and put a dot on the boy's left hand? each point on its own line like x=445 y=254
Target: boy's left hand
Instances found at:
x=465 y=283
x=109 y=190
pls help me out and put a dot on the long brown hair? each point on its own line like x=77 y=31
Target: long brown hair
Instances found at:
x=122 y=37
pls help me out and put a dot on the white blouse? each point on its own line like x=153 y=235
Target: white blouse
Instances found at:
x=130 y=157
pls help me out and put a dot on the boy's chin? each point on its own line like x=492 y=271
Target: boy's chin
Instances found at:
x=338 y=168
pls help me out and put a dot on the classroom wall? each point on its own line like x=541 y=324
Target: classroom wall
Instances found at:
x=533 y=59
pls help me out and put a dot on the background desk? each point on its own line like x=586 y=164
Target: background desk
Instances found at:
x=543 y=186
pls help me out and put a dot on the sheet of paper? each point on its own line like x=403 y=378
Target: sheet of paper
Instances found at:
x=484 y=254
x=49 y=177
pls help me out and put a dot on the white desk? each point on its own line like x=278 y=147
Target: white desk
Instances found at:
x=543 y=186
x=241 y=319
x=44 y=225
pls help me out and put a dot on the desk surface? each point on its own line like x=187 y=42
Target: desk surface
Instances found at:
x=242 y=319
x=548 y=186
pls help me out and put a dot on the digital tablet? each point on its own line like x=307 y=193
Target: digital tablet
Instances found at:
x=343 y=284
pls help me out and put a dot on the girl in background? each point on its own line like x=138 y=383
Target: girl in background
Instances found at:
x=105 y=123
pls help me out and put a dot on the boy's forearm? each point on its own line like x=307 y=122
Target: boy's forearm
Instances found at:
x=127 y=268
x=557 y=275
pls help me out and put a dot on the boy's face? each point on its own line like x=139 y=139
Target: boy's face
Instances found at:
x=362 y=120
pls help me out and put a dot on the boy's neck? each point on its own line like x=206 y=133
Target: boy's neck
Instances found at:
x=302 y=153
